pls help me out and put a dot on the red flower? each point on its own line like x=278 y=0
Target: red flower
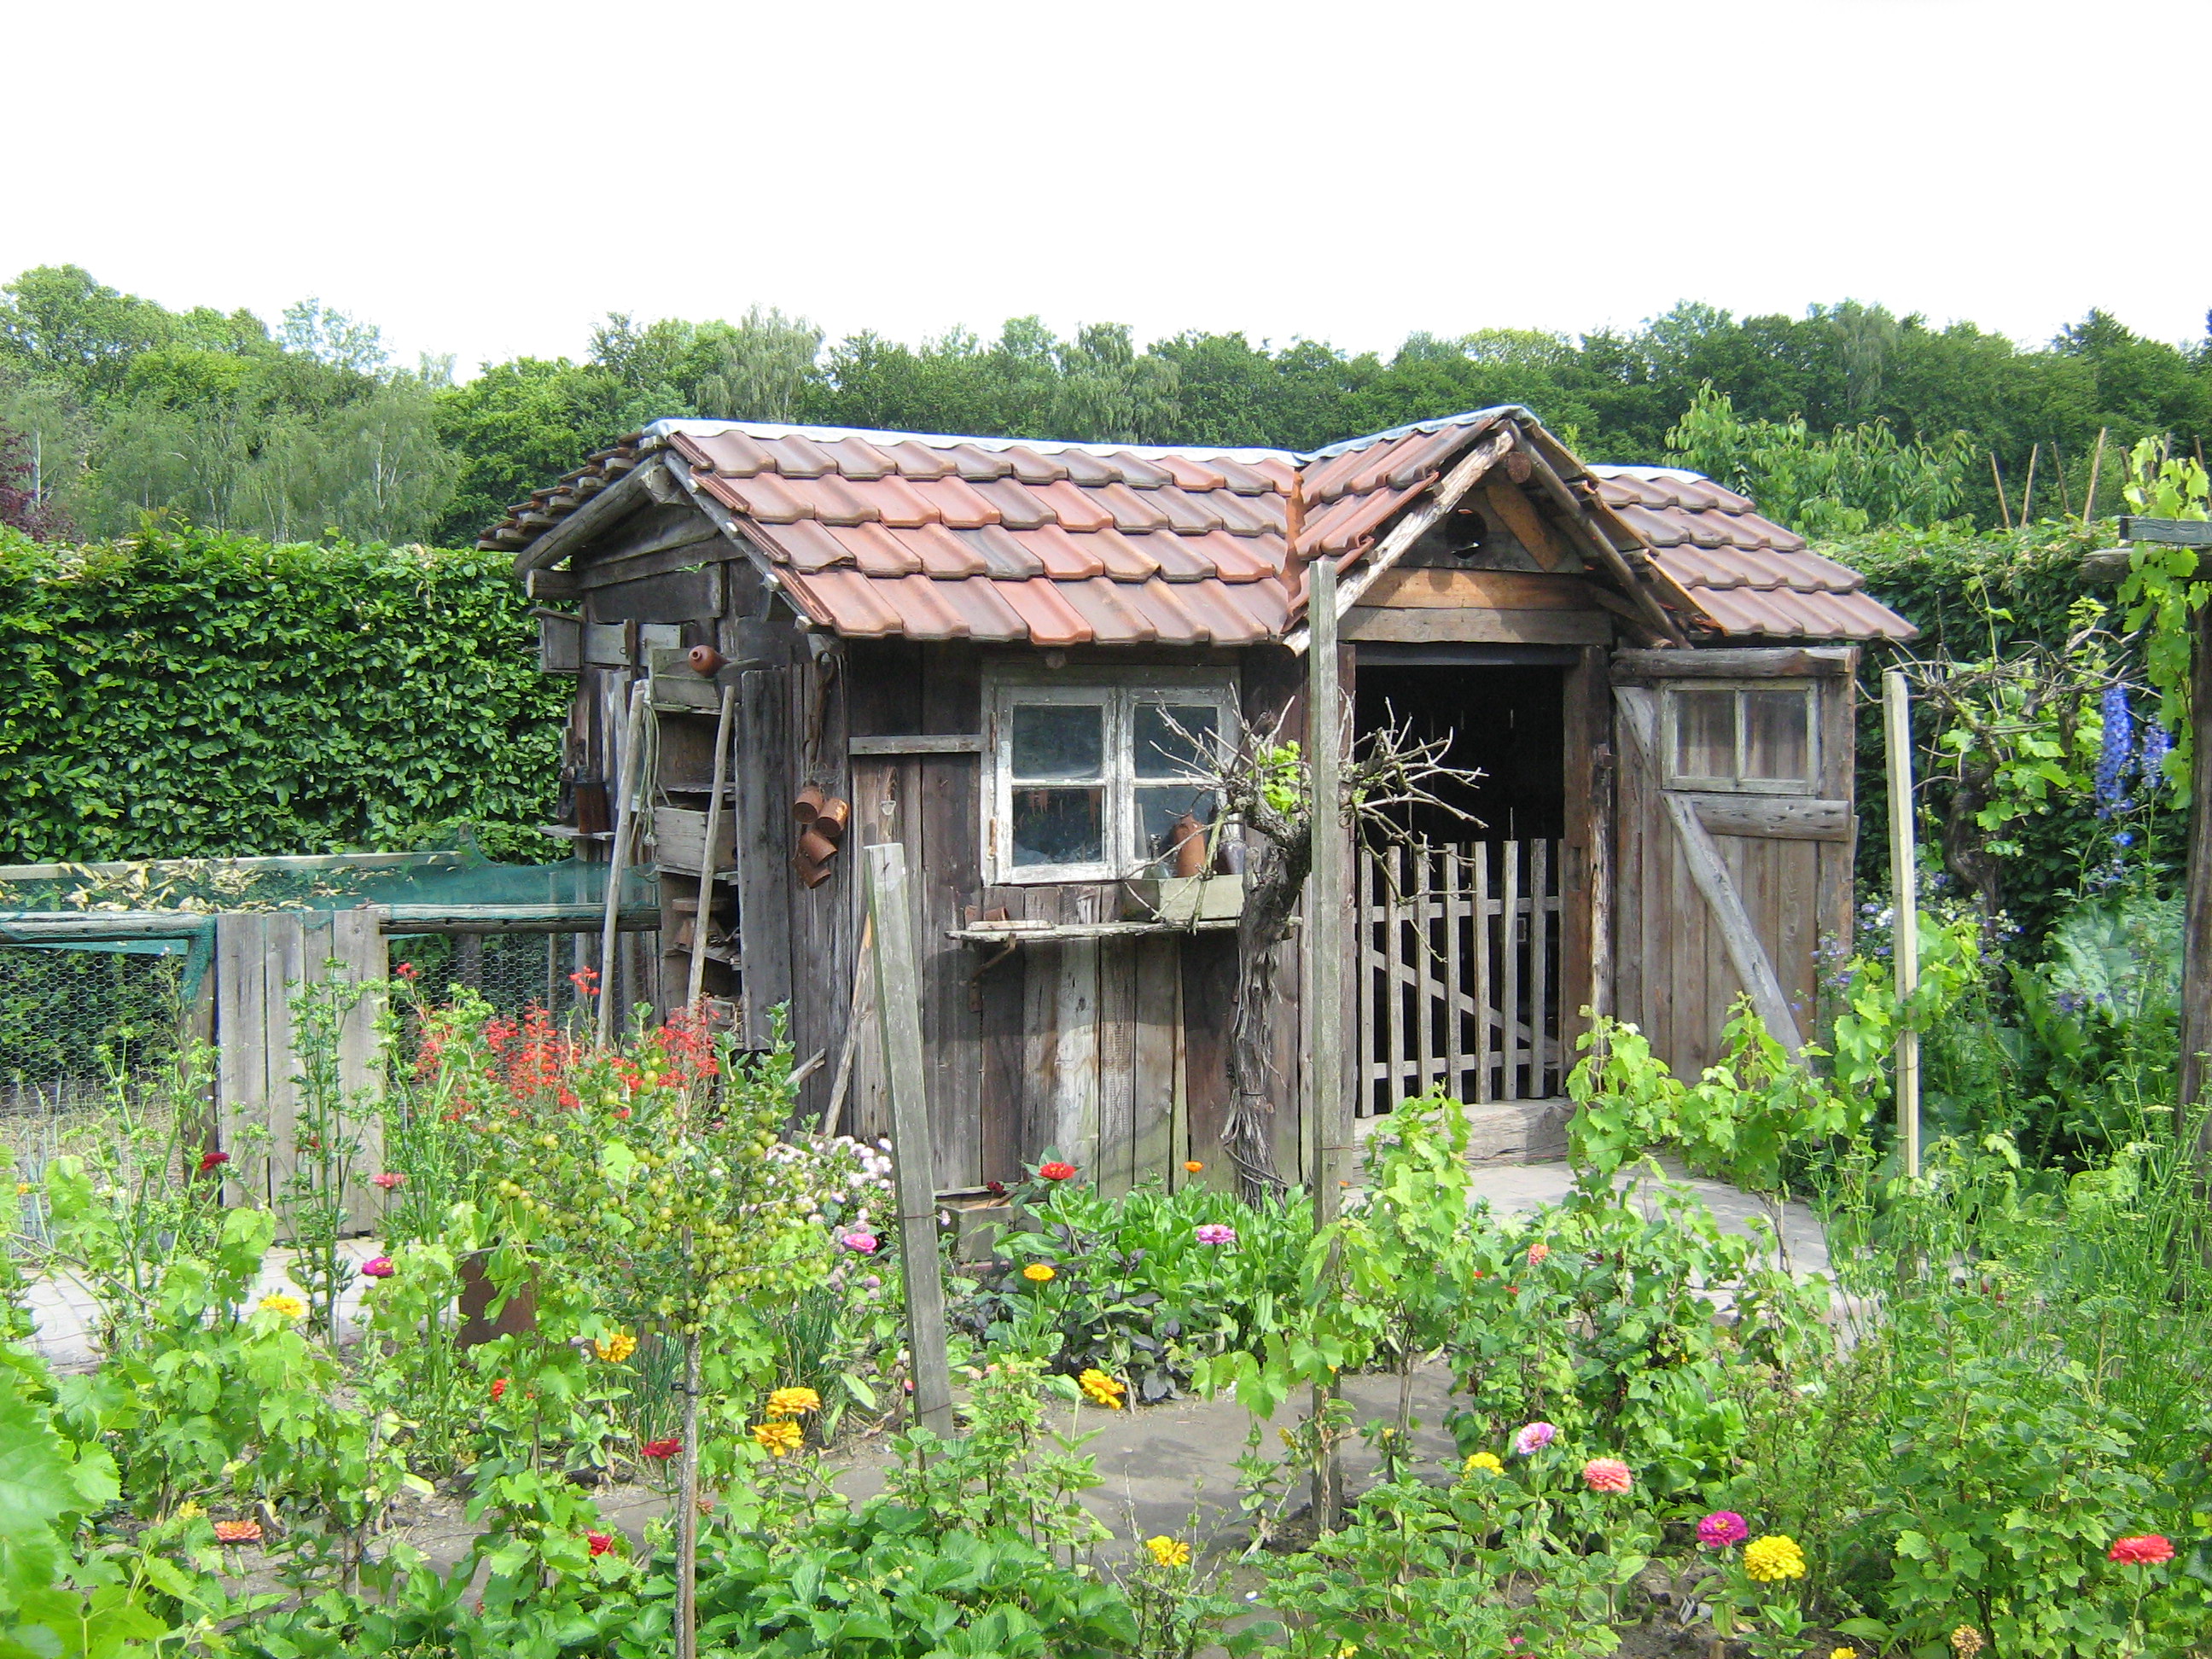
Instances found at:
x=622 y=1111
x=1057 y=1171
x=213 y=1161
x=996 y=1189
x=391 y=1180
x=2144 y=1550
x=601 y=1543
x=407 y=970
x=660 y=1450
x=499 y=1388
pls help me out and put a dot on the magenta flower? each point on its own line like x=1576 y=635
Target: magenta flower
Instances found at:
x=1721 y=1528
x=1534 y=1438
x=388 y=1180
x=860 y=1243
x=1215 y=1233
x=377 y=1266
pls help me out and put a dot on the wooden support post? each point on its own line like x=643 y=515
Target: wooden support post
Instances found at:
x=1897 y=712
x=898 y=1015
x=697 y=982
x=618 y=859
x=2197 y=936
x=1328 y=1106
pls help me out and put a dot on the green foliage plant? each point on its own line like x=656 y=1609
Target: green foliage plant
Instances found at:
x=2161 y=592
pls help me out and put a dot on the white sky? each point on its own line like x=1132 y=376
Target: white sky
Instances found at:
x=488 y=179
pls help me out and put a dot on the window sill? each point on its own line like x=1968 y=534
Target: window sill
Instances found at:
x=1013 y=932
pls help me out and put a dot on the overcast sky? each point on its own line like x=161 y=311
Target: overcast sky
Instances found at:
x=487 y=179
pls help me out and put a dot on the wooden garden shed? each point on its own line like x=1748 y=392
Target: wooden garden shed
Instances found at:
x=988 y=649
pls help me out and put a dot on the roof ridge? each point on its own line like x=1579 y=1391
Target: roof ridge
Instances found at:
x=702 y=428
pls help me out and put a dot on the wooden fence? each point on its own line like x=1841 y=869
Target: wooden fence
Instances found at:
x=1459 y=972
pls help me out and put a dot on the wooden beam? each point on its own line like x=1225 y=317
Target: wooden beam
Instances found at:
x=1453 y=587
x=1752 y=663
x=1444 y=496
x=599 y=515
x=2196 y=924
x=898 y=1016
x=1428 y=627
x=951 y=742
x=1598 y=542
x=1504 y=497
x=550 y=584
x=1776 y=817
x=1709 y=872
x=2173 y=532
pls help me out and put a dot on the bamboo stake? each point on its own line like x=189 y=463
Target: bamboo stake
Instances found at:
x=618 y=856
x=2003 y=506
x=2028 y=489
x=1905 y=912
x=697 y=982
x=2096 y=460
x=687 y=1496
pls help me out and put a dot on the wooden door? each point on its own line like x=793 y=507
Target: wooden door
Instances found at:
x=1735 y=836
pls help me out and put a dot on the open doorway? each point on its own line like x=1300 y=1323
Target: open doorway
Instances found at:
x=1461 y=931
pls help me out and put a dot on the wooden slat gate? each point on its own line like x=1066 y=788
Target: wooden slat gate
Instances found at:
x=1459 y=972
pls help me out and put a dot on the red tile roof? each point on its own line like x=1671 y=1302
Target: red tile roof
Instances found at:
x=880 y=533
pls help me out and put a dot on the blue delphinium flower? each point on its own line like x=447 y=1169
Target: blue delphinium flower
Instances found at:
x=2117 y=758
x=2157 y=742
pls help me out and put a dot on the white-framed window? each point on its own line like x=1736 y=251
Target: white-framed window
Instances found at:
x=1754 y=738
x=1089 y=772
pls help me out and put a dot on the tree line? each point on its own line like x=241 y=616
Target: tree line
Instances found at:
x=113 y=406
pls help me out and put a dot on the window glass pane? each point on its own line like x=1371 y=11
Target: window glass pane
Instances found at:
x=1705 y=734
x=1775 y=736
x=1058 y=826
x=1158 y=810
x=1059 y=739
x=1164 y=752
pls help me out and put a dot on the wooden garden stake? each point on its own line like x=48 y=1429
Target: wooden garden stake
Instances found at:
x=687 y=1503
x=1905 y=912
x=697 y=983
x=1327 y=1103
x=898 y=1018
x=2096 y=460
x=2028 y=489
x=618 y=857
x=2003 y=506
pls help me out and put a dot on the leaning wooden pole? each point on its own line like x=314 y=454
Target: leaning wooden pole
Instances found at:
x=898 y=1017
x=1904 y=911
x=697 y=983
x=618 y=858
x=2197 y=941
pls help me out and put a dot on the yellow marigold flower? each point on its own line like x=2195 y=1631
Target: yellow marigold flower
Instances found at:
x=1486 y=1461
x=1192 y=1166
x=284 y=1306
x=22 y=1188
x=1347 y=1649
x=1103 y=1389
x=1037 y=1274
x=188 y=1512
x=789 y=1402
x=1843 y=1653
x=1966 y=1642
x=1169 y=1551
x=1774 y=1558
x=616 y=1348
x=780 y=1436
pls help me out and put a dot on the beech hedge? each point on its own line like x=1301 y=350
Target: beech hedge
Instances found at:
x=187 y=693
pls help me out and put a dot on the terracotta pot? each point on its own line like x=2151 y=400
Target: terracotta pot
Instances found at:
x=1186 y=840
x=705 y=659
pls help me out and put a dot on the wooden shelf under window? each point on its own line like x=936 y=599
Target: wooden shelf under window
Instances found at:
x=1001 y=932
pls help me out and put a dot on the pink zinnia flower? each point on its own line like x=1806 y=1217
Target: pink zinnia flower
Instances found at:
x=389 y=1180
x=1534 y=1438
x=1537 y=1252
x=1215 y=1232
x=377 y=1266
x=1721 y=1528
x=2143 y=1550
x=860 y=1243
x=660 y=1450
x=1607 y=1474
